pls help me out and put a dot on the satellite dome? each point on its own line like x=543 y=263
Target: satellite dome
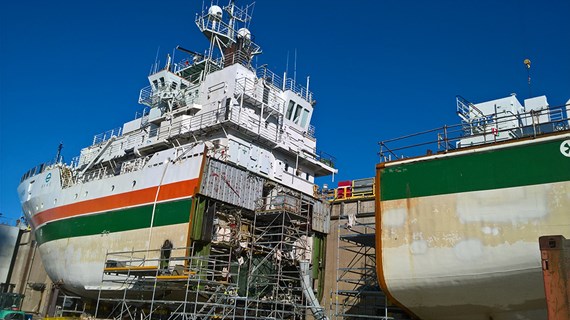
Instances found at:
x=244 y=33
x=215 y=11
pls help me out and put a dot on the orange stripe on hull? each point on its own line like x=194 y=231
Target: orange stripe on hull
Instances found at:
x=169 y=191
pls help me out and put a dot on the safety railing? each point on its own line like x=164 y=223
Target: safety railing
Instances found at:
x=146 y=96
x=262 y=92
x=289 y=84
x=102 y=137
x=208 y=22
x=489 y=129
x=37 y=170
x=325 y=158
x=283 y=202
x=351 y=190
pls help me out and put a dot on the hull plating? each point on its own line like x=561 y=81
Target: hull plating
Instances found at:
x=473 y=254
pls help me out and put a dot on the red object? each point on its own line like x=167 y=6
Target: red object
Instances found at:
x=344 y=189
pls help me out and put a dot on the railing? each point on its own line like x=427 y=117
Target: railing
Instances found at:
x=146 y=96
x=260 y=93
x=311 y=131
x=133 y=165
x=493 y=128
x=288 y=84
x=142 y=113
x=325 y=158
x=206 y=22
x=303 y=92
x=350 y=190
x=37 y=170
x=96 y=174
x=102 y=137
x=282 y=202
x=211 y=118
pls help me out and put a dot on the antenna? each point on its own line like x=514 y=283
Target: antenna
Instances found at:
x=173 y=52
x=58 y=156
x=287 y=63
x=156 y=59
x=527 y=63
x=295 y=68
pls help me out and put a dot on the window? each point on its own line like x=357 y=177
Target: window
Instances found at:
x=304 y=117
x=297 y=113
x=290 y=109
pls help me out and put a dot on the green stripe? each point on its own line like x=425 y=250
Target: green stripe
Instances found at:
x=522 y=165
x=166 y=213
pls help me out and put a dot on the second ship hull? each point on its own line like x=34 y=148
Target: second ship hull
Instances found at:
x=459 y=231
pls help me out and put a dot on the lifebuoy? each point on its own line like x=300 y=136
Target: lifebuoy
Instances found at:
x=495 y=131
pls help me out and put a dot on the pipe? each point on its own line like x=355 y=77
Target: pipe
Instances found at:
x=316 y=309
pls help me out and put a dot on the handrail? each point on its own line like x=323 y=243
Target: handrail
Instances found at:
x=499 y=127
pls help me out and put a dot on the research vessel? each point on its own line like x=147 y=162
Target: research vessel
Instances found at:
x=460 y=209
x=220 y=144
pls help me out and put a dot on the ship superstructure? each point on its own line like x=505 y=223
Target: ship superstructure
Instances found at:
x=458 y=219
x=219 y=141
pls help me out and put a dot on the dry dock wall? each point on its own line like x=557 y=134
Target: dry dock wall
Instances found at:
x=8 y=239
x=27 y=274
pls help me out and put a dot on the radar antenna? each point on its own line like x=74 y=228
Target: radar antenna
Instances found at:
x=229 y=34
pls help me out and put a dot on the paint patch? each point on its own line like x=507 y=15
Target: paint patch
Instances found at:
x=419 y=247
x=468 y=250
x=394 y=217
x=490 y=230
x=511 y=205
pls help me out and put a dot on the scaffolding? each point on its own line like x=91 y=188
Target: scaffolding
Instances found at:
x=256 y=265
x=357 y=293
x=178 y=286
x=281 y=242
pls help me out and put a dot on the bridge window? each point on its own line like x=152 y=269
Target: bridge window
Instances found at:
x=304 y=117
x=297 y=114
x=290 y=109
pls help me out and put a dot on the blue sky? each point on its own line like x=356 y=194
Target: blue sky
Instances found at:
x=379 y=69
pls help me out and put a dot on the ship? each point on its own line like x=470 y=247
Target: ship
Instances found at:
x=460 y=210
x=218 y=138
x=206 y=205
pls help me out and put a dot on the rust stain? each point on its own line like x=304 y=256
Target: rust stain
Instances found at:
x=379 y=244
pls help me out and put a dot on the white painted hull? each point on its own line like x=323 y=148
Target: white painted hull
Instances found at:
x=472 y=255
x=78 y=262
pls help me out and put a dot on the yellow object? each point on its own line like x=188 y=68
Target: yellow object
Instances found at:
x=527 y=63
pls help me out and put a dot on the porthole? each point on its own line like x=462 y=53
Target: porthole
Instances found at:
x=42 y=205
x=55 y=201
x=86 y=193
x=134 y=183
x=75 y=196
x=113 y=188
